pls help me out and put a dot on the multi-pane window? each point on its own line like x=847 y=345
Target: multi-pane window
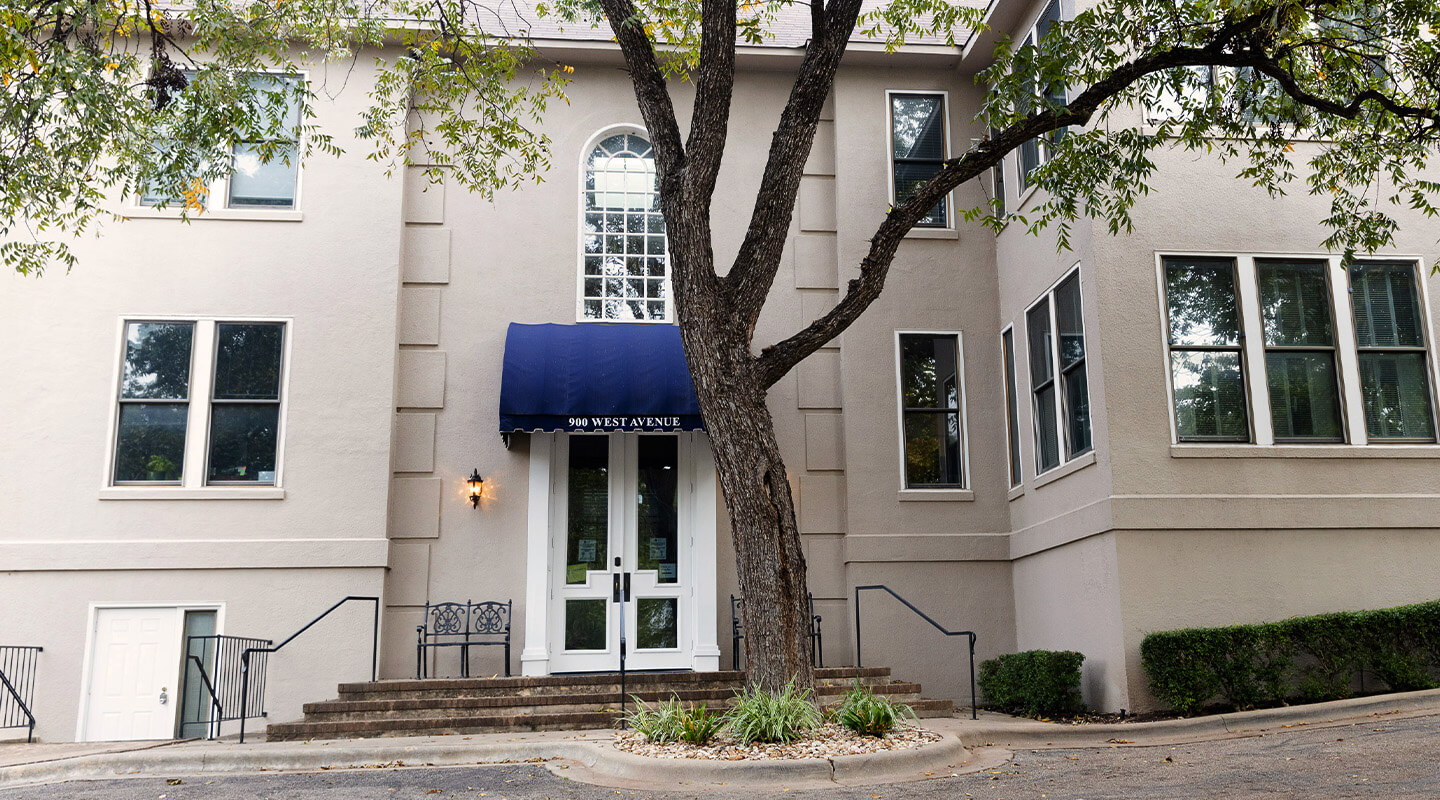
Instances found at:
x=1297 y=359
x=917 y=148
x=1299 y=350
x=1061 y=394
x=1390 y=345
x=264 y=171
x=1012 y=407
x=930 y=416
x=245 y=402
x=1037 y=151
x=1206 y=361
x=154 y=402
x=164 y=369
x=625 y=264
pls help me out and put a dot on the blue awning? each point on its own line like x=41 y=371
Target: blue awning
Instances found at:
x=596 y=377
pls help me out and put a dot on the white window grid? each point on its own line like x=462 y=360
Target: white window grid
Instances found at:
x=1066 y=449
x=203 y=353
x=1352 y=404
x=624 y=271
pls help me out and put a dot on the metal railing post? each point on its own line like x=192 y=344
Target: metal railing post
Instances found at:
x=971 y=635
x=244 y=690
x=27 y=658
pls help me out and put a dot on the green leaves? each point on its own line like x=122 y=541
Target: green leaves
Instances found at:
x=1035 y=682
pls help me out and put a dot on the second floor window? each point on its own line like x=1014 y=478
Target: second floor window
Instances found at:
x=163 y=373
x=625 y=264
x=918 y=148
x=1061 y=401
x=1323 y=376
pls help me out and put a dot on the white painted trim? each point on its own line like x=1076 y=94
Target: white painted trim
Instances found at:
x=1061 y=434
x=92 y=619
x=703 y=553
x=964 y=419
x=590 y=145
x=1347 y=356
x=535 y=658
x=197 y=423
x=949 y=229
x=1010 y=372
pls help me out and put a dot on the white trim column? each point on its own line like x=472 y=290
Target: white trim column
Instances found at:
x=535 y=658
x=702 y=548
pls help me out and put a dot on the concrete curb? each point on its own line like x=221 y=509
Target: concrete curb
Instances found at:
x=192 y=760
x=944 y=758
x=1031 y=734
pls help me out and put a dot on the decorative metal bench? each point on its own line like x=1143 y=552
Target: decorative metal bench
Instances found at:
x=737 y=631
x=463 y=625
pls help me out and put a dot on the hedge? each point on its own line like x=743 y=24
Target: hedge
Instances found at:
x=1307 y=658
x=1035 y=682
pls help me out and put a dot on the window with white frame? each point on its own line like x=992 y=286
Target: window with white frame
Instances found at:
x=1037 y=151
x=625 y=263
x=919 y=143
x=1060 y=399
x=931 y=410
x=264 y=171
x=221 y=377
x=1324 y=375
x=1012 y=407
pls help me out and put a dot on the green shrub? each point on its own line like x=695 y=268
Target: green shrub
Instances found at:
x=1312 y=658
x=861 y=711
x=784 y=716
x=1035 y=683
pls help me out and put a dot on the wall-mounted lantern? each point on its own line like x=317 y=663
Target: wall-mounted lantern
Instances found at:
x=477 y=488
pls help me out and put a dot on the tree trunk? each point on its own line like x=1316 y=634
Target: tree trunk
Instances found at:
x=768 y=556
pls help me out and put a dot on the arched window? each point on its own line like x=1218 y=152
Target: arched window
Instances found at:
x=625 y=266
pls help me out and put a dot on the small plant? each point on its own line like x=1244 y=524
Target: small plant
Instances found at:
x=698 y=725
x=159 y=467
x=660 y=724
x=784 y=716
x=861 y=711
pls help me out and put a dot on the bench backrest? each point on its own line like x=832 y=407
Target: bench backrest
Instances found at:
x=467 y=620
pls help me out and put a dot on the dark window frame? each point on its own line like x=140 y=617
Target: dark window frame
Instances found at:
x=1341 y=409
x=1056 y=377
x=947 y=221
x=956 y=339
x=1238 y=348
x=1423 y=349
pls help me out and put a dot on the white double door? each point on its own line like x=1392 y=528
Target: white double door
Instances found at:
x=622 y=552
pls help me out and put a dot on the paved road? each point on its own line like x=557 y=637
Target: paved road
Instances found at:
x=1387 y=757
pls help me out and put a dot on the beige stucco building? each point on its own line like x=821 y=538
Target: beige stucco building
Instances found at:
x=224 y=427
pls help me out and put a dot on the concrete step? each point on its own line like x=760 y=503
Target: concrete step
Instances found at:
x=448 y=707
x=410 y=689
x=552 y=702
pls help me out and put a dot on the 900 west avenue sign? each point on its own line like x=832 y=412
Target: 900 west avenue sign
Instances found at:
x=600 y=422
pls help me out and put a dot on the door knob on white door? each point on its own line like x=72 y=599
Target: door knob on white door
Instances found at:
x=164 y=698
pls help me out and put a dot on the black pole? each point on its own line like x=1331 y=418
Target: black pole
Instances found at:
x=972 y=677
x=375 y=644
x=244 y=690
x=858 y=662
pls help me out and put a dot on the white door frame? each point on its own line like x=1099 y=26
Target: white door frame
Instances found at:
x=92 y=618
x=698 y=620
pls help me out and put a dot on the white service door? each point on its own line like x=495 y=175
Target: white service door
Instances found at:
x=133 y=690
x=624 y=506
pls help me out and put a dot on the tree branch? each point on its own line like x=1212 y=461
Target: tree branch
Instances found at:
x=714 y=87
x=651 y=93
x=775 y=361
x=758 y=260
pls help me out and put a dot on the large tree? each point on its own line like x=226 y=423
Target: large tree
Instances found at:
x=1241 y=79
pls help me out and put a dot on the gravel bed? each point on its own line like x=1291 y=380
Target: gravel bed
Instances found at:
x=829 y=740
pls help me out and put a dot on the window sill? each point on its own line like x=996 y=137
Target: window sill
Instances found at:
x=933 y=233
x=1015 y=492
x=935 y=495
x=1056 y=473
x=1305 y=451
x=232 y=214
x=197 y=493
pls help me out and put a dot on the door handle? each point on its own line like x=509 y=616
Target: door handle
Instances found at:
x=619 y=587
x=164 y=698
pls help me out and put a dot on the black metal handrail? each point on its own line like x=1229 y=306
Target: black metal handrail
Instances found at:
x=217 y=712
x=21 y=662
x=245 y=654
x=969 y=634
